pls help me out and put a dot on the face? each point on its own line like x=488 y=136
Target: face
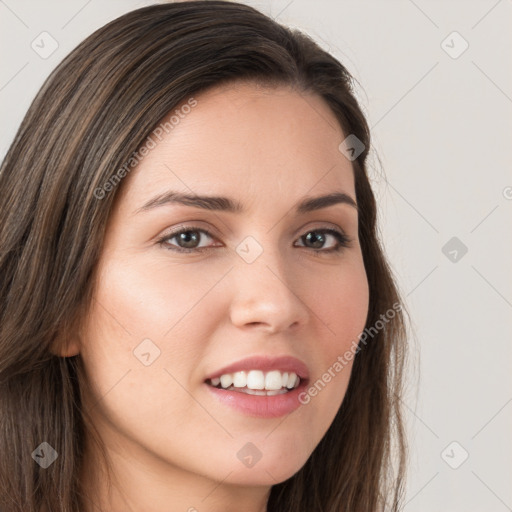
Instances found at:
x=171 y=310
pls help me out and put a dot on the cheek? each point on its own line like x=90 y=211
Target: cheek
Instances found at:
x=148 y=324
x=341 y=304
x=155 y=300
x=341 y=309
x=141 y=346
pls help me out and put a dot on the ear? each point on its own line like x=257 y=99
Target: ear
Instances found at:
x=68 y=348
x=71 y=348
x=67 y=343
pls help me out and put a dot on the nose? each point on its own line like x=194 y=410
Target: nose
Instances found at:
x=266 y=295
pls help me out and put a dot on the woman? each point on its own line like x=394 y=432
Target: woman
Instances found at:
x=196 y=310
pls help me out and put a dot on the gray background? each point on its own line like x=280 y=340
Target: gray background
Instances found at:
x=441 y=123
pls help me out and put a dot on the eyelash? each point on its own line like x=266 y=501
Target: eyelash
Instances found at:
x=343 y=240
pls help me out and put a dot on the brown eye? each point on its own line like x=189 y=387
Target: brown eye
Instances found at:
x=316 y=239
x=187 y=240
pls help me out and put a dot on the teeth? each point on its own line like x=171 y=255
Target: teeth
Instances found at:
x=256 y=380
x=263 y=392
x=273 y=381
x=293 y=380
x=239 y=379
x=226 y=380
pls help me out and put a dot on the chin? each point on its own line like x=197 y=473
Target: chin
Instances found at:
x=261 y=477
x=267 y=463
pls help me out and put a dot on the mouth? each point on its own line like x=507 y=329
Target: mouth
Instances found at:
x=260 y=386
x=257 y=382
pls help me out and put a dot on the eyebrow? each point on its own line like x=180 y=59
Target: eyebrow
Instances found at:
x=218 y=203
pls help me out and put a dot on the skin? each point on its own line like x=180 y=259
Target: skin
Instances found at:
x=173 y=446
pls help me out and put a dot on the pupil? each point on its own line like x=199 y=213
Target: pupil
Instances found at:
x=184 y=237
x=317 y=239
x=189 y=238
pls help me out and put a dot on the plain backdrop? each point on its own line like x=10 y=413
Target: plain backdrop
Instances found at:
x=436 y=85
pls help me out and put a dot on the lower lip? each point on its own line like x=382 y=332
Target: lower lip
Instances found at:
x=260 y=406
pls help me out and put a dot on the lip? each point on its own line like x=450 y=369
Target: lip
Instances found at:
x=262 y=406
x=266 y=364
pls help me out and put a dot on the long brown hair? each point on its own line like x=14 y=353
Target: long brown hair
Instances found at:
x=93 y=112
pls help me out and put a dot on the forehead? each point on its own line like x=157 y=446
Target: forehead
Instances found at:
x=256 y=143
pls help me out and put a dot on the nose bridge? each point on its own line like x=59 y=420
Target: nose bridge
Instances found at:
x=264 y=288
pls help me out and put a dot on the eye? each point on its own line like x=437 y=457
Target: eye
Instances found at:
x=318 y=237
x=189 y=239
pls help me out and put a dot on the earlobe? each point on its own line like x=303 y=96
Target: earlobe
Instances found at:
x=68 y=342
x=69 y=348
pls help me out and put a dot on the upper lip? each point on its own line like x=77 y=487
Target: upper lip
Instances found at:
x=265 y=363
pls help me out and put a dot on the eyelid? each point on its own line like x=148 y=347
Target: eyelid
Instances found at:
x=343 y=240
x=183 y=229
x=318 y=225
x=191 y=225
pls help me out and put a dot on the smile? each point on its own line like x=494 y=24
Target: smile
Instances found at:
x=257 y=382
